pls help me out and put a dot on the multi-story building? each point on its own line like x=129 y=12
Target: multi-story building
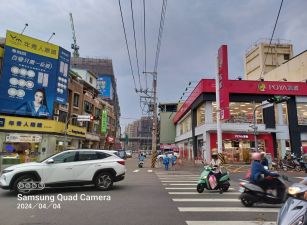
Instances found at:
x=106 y=81
x=263 y=57
x=167 y=127
x=280 y=127
x=139 y=134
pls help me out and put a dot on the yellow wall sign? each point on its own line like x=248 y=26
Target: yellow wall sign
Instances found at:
x=32 y=45
x=39 y=125
x=1 y=52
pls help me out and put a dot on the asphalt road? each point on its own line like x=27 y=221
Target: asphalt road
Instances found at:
x=145 y=197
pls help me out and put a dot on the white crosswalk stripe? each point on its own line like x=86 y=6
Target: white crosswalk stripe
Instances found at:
x=135 y=171
x=226 y=209
x=229 y=223
x=200 y=206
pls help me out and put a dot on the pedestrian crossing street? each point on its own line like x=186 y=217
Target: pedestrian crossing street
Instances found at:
x=211 y=207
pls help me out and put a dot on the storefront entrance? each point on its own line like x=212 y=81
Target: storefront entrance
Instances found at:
x=237 y=147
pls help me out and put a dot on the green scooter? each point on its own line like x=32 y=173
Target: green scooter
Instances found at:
x=222 y=184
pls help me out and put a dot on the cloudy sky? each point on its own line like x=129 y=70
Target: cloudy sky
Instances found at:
x=193 y=31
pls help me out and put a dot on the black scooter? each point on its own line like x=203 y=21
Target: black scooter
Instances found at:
x=294 y=211
x=252 y=193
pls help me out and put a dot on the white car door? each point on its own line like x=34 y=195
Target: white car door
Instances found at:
x=88 y=163
x=62 y=170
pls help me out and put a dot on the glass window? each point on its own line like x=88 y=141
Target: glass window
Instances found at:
x=76 y=100
x=87 y=155
x=88 y=107
x=65 y=157
x=97 y=112
x=302 y=113
x=200 y=115
x=91 y=80
x=241 y=112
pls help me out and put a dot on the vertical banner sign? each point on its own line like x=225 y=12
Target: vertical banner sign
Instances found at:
x=34 y=76
x=104 y=117
x=223 y=82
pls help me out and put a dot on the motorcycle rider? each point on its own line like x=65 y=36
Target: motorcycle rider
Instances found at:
x=264 y=160
x=258 y=170
x=215 y=163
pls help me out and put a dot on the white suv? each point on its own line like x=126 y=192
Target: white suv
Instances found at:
x=73 y=167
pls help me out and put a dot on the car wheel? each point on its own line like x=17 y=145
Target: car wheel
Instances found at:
x=104 y=181
x=19 y=184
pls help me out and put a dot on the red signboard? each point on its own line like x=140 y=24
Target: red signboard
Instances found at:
x=110 y=139
x=223 y=82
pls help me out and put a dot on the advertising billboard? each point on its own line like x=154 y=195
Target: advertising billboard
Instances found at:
x=34 y=76
x=104 y=86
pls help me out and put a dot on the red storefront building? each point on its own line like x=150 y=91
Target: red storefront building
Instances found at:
x=281 y=128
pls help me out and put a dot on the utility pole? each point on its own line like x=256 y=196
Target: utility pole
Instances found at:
x=154 y=120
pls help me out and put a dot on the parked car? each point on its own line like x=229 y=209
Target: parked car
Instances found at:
x=73 y=167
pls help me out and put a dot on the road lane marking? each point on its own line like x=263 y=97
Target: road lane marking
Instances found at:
x=181 y=184
x=227 y=209
x=230 y=223
x=196 y=193
x=135 y=171
x=149 y=171
x=205 y=200
x=183 y=181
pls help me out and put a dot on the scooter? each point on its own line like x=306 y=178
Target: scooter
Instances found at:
x=207 y=175
x=140 y=164
x=252 y=193
x=294 y=211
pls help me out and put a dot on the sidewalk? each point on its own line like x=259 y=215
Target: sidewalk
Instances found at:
x=190 y=165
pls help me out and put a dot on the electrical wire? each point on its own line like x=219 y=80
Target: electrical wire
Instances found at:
x=121 y=13
x=271 y=38
x=162 y=19
x=135 y=46
x=145 y=47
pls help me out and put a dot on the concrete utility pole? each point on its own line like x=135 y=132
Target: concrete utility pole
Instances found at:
x=154 y=123
x=154 y=120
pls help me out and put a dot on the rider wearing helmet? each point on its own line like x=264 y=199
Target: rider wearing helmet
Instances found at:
x=258 y=170
x=215 y=164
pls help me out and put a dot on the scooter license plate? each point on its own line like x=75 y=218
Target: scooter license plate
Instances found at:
x=241 y=189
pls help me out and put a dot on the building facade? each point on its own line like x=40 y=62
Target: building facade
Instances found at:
x=280 y=127
x=263 y=57
x=167 y=128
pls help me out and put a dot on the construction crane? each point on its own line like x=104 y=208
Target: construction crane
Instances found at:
x=74 y=45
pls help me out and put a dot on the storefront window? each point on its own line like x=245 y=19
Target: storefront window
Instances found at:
x=200 y=115
x=302 y=113
x=241 y=112
x=185 y=125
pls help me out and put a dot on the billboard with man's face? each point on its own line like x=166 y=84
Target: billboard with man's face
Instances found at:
x=34 y=76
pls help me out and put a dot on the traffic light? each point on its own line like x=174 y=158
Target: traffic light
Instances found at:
x=278 y=99
x=92 y=117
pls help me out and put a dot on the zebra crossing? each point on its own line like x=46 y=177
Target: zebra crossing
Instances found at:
x=211 y=207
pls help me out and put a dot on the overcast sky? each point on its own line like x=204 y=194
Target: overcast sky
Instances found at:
x=193 y=32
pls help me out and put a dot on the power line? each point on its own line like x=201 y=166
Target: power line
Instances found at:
x=145 y=54
x=271 y=37
x=162 y=19
x=121 y=13
x=135 y=46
